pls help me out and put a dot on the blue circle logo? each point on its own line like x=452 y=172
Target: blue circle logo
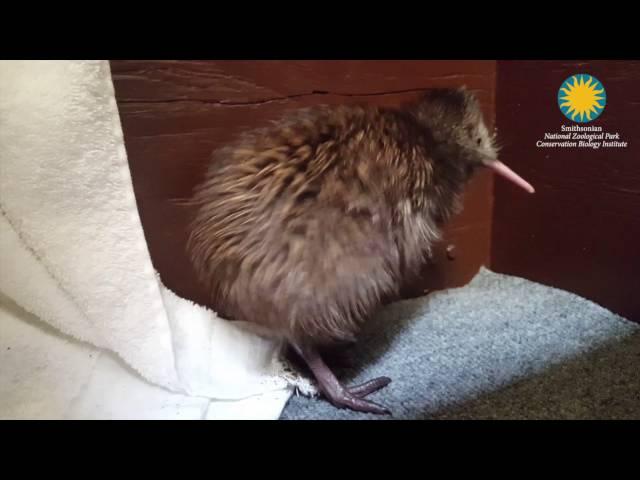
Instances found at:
x=582 y=98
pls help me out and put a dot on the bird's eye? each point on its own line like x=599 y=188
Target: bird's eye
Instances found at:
x=479 y=141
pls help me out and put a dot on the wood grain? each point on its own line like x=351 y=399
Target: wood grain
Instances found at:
x=581 y=230
x=175 y=113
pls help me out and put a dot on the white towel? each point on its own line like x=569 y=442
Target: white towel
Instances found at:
x=73 y=253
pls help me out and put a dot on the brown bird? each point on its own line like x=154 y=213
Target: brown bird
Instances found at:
x=303 y=227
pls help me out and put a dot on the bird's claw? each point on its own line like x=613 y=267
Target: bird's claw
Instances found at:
x=353 y=397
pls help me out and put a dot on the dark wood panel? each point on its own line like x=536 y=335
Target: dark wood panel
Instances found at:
x=232 y=82
x=175 y=113
x=581 y=230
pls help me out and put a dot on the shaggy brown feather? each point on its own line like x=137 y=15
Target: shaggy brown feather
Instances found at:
x=304 y=226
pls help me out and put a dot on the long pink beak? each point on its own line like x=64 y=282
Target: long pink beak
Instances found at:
x=501 y=169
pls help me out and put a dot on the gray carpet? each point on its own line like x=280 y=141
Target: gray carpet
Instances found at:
x=499 y=348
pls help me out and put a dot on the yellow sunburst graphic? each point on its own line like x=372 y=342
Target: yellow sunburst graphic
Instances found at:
x=582 y=98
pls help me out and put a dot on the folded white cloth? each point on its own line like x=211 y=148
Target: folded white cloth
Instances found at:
x=73 y=254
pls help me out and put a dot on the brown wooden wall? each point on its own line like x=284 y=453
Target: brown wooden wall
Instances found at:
x=174 y=113
x=581 y=230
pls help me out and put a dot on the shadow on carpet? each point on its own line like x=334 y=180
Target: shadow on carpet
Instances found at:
x=501 y=347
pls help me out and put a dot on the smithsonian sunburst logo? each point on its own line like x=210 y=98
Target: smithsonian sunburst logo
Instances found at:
x=582 y=98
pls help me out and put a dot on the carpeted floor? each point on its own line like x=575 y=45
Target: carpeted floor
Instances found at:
x=499 y=348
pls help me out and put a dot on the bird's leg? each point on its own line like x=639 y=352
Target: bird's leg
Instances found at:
x=339 y=395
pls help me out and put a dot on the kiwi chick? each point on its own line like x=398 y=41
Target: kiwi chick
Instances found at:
x=304 y=226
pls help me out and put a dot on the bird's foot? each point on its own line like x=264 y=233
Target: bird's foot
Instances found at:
x=353 y=397
x=339 y=395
